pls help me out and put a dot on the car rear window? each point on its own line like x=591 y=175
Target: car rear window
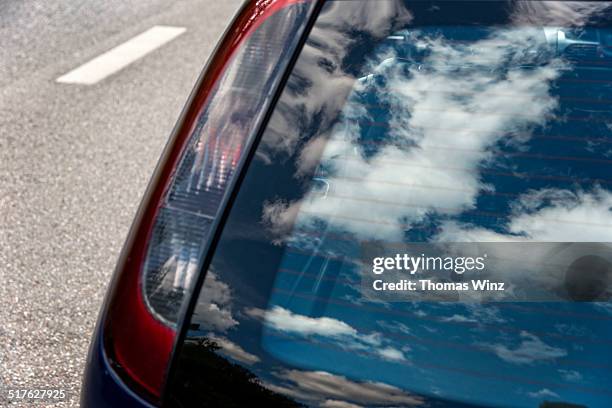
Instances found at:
x=461 y=133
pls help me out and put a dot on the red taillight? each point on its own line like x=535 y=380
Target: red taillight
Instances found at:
x=165 y=249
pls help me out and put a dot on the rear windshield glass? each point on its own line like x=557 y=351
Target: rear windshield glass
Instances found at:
x=426 y=221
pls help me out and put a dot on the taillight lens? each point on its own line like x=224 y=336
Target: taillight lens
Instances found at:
x=165 y=248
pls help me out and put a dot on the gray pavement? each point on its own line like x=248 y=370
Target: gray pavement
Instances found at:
x=74 y=163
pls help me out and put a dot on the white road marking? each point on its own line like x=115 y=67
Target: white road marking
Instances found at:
x=121 y=56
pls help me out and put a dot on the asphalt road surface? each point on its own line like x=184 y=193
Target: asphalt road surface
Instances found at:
x=75 y=161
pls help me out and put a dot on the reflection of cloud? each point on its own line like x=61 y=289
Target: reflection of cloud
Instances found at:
x=572 y=330
x=557 y=13
x=391 y=353
x=570 y=216
x=214 y=304
x=459 y=319
x=485 y=314
x=320 y=387
x=494 y=107
x=321 y=89
x=373 y=18
x=543 y=393
x=342 y=333
x=420 y=313
x=548 y=215
x=338 y=404
x=233 y=350
x=477 y=313
x=570 y=375
x=394 y=326
x=604 y=307
x=284 y=320
x=530 y=350
x=279 y=216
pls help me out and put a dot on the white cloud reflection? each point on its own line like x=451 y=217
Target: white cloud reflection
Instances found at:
x=214 y=304
x=558 y=13
x=323 y=87
x=341 y=333
x=329 y=390
x=547 y=215
x=570 y=375
x=530 y=350
x=543 y=393
x=446 y=120
x=233 y=350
